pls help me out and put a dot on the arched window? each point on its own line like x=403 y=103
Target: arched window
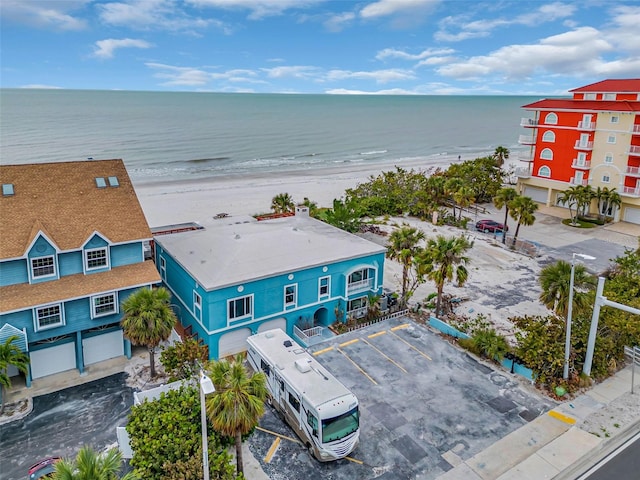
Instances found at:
x=546 y=154
x=544 y=172
x=551 y=119
x=549 y=136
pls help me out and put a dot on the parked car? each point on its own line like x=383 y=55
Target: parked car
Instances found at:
x=44 y=468
x=490 y=226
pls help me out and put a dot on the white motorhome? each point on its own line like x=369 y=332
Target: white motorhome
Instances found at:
x=321 y=410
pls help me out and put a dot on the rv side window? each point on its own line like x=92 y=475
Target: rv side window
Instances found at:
x=313 y=423
x=294 y=402
x=281 y=385
x=265 y=367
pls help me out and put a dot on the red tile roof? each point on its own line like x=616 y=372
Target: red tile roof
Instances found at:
x=612 y=85
x=584 y=105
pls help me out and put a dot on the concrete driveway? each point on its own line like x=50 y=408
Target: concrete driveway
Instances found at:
x=425 y=406
x=64 y=421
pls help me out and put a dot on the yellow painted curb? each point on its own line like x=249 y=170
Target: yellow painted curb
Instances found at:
x=562 y=417
x=324 y=350
x=272 y=450
x=399 y=327
x=355 y=340
x=374 y=335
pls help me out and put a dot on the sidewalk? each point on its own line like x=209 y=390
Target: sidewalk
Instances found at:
x=555 y=444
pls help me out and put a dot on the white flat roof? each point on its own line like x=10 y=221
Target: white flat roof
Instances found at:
x=237 y=250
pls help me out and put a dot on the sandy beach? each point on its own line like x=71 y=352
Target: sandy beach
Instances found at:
x=502 y=283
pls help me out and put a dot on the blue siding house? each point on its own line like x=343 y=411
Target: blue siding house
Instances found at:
x=71 y=250
x=238 y=276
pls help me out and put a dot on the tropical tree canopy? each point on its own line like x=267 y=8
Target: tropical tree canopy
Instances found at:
x=555 y=279
x=502 y=199
x=500 y=155
x=404 y=244
x=522 y=210
x=238 y=401
x=282 y=203
x=91 y=465
x=10 y=355
x=148 y=319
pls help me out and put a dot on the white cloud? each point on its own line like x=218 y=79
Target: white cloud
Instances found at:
x=395 y=53
x=39 y=86
x=53 y=15
x=379 y=76
x=306 y=72
x=336 y=23
x=200 y=77
x=624 y=29
x=157 y=14
x=435 y=61
x=106 y=48
x=258 y=8
x=386 y=8
x=392 y=91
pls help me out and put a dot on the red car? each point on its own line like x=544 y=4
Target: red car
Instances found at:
x=44 y=468
x=490 y=226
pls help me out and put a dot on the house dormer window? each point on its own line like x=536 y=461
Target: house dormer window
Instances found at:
x=96 y=258
x=43 y=267
x=589 y=96
x=609 y=96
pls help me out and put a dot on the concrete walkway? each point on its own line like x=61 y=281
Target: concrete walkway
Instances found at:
x=557 y=444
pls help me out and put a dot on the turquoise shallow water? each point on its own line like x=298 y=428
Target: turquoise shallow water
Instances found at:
x=175 y=136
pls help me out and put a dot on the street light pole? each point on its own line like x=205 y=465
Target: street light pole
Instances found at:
x=567 y=341
x=206 y=387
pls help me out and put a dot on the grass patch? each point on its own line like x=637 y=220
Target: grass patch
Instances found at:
x=578 y=223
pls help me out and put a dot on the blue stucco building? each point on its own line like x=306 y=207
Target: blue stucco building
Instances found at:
x=72 y=249
x=238 y=276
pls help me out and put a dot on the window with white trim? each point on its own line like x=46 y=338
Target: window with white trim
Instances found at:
x=544 y=172
x=606 y=179
x=615 y=118
x=546 y=154
x=589 y=96
x=104 y=304
x=324 y=286
x=611 y=138
x=43 y=267
x=96 y=258
x=357 y=304
x=551 y=119
x=359 y=276
x=609 y=96
x=240 y=307
x=608 y=158
x=197 y=299
x=49 y=317
x=549 y=136
x=290 y=295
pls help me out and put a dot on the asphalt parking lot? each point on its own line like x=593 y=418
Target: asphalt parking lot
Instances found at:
x=425 y=406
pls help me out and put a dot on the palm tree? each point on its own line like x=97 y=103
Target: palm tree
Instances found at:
x=570 y=197
x=500 y=155
x=282 y=203
x=403 y=246
x=522 y=210
x=90 y=465
x=602 y=197
x=10 y=355
x=148 y=319
x=503 y=197
x=443 y=259
x=464 y=197
x=238 y=402
x=555 y=279
x=614 y=202
x=313 y=206
x=451 y=186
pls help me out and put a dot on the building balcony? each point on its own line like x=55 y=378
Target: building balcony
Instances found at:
x=525 y=156
x=583 y=145
x=586 y=126
x=581 y=164
x=526 y=140
x=575 y=181
x=522 y=172
x=361 y=286
x=358 y=312
x=634 y=150
x=632 y=171
x=635 y=129
x=528 y=122
x=630 y=192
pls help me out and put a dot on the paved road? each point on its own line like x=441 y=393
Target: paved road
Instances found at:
x=62 y=422
x=622 y=464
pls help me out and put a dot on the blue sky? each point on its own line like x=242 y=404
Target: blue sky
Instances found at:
x=319 y=46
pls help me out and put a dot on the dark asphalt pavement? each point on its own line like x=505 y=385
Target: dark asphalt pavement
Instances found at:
x=62 y=422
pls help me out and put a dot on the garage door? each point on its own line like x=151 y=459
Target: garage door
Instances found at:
x=53 y=360
x=280 y=323
x=102 y=347
x=536 y=194
x=233 y=342
x=632 y=215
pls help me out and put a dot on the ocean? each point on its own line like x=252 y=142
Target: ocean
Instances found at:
x=166 y=136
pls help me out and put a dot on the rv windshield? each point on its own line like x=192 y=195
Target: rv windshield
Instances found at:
x=339 y=427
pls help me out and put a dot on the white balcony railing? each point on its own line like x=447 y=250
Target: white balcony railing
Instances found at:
x=522 y=172
x=634 y=150
x=528 y=122
x=358 y=312
x=635 y=129
x=525 y=156
x=630 y=191
x=633 y=171
x=581 y=164
x=586 y=126
x=583 y=145
x=526 y=140
x=360 y=286
x=576 y=181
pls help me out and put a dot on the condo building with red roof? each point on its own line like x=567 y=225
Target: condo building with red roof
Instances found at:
x=591 y=139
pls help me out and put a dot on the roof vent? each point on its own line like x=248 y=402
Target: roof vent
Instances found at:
x=303 y=365
x=287 y=343
x=7 y=189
